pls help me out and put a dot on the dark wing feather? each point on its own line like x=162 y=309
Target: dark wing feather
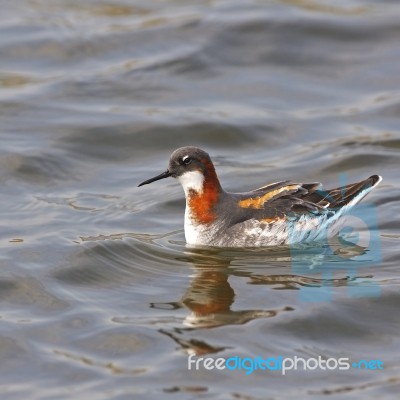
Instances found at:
x=339 y=197
x=280 y=198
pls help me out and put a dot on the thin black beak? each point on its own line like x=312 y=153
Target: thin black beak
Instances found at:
x=165 y=174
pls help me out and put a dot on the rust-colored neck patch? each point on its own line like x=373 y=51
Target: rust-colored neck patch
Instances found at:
x=258 y=202
x=201 y=204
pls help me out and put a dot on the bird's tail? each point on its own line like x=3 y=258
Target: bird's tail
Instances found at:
x=343 y=196
x=351 y=194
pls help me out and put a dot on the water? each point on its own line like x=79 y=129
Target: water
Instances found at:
x=100 y=298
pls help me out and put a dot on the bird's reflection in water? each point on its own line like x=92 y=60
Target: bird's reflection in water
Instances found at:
x=210 y=297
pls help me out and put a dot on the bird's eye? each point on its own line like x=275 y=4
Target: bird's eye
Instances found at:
x=186 y=160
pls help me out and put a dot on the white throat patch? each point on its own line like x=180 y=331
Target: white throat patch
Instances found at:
x=192 y=180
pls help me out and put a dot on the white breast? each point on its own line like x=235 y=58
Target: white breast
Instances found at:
x=193 y=232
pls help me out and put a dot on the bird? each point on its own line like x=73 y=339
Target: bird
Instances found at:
x=280 y=213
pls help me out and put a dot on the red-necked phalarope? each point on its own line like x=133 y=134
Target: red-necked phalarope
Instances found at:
x=279 y=213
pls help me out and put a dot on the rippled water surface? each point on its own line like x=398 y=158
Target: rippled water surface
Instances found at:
x=100 y=297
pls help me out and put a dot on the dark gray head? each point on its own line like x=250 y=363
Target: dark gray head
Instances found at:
x=191 y=165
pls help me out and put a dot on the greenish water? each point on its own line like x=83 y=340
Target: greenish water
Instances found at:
x=100 y=298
